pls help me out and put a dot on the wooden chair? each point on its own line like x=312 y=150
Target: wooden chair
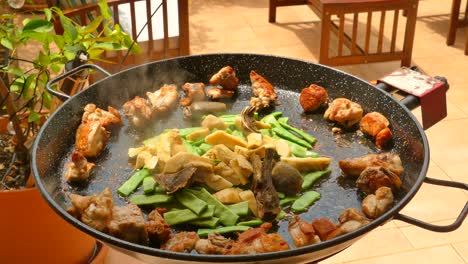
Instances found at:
x=326 y=9
x=153 y=48
x=456 y=22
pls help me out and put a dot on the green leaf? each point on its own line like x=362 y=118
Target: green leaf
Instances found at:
x=104 y=8
x=15 y=71
x=47 y=99
x=57 y=67
x=43 y=59
x=38 y=25
x=59 y=41
x=93 y=25
x=70 y=33
x=95 y=53
x=70 y=51
x=6 y=43
x=108 y=46
x=34 y=117
x=48 y=13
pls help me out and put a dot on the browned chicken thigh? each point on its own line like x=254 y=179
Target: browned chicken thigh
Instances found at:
x=226 y=77
x=181 y=242
x=195 y=92
x=376 y=205
x=256 y=240
x=138 y=111
x=376 y=125
x=302 y=233
x=128 y=224
x=157 y=228
x=78 y=169
x=355 y=166
x=263 y=91
x=344 y=112
x=91 y=138
x=106 y=118
x=214 y=244
x=164 y=99
x=350 y=219
x=372 y=178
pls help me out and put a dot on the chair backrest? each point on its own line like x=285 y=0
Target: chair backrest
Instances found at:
x=166 y=34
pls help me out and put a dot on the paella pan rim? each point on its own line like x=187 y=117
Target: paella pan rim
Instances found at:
x=235 y=258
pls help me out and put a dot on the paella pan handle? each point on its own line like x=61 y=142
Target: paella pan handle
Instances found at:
x=439 y=228
x=63 y=96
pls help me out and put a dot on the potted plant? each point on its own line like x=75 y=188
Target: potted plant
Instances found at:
x=29 y=229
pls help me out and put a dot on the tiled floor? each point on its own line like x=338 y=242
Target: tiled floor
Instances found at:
x=242 y=26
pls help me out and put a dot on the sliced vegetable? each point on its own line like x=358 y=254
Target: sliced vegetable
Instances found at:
x=179 y=216
x=282 y=214
x=143 y=199
x=203 y=232
x=190 y=201
x=281 y=195
x=311 y=177
x=284 y=122
x=255 y=222
x=280 y=131
x=211 y=222
x=288 y=200
x=133 y=182
x=183 y=132
x=226 y=216
x=241 y=209
x=148 y=185
x=208 y=212
x=265 y=132
x=204 y=147
x=159 y=189
x=306 y=200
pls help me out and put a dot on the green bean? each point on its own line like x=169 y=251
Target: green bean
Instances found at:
x=311 y=177
x=287 y=200
x=254 y=222
x=148 y=185
x=211 y=222
x=190 y=148
x=159 y=189
x=190 y=201
x=143 y=199
x=281 y=195
x=241 y=209
x=284 y=122
x=203 y=232
x=133 y=182
x=265 y=132
x=205 y=147
x=306 y=200
x=208 y=212
x=282 y=214
x=179 y=216
x=280 y=131
x=226 y=216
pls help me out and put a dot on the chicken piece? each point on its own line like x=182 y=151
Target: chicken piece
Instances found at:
x=344 y=112
x=138 y=111
x=91 y=138
x=226 y=77
x=94 y=211
x=323 y=227
x=128 y=224
x=286 y=178
x=376 y=205
x=376 y=125
x=163 y=99
x=302 y=233
x=157 y=228
x=216 y=93
x=262 y=186
x=256 y=240
x=263 y=91
x=194 y=92
x=215 y=244
x=107 y=118
x=350 y=220
x=354 y=166
x=78 y=169
x=372 y=178
x=172 y=182
x=313 y=97
x=181 y=242
x=212 y=122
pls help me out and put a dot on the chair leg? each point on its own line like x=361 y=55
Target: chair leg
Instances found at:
x=466 y=46
x=325 y=38
x=272 y=11
x=409 y=34
x=452 y=32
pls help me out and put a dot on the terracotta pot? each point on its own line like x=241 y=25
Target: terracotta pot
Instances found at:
x=31 y=232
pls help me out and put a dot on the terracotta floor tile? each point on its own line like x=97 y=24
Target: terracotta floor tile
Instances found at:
x=430 y=202
x=277 y=36
x=456 y=172
x=298 y=51
x=448 y=142
x=421 y=238
x=462 y=249
x=436 y=255
x=114 y=257
x=376 y=243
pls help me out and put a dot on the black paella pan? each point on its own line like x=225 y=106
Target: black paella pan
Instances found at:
x=55 y=143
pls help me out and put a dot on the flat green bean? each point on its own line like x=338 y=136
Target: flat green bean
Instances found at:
x=226 y=216
x=306 y=200
x=143 y=199
x=190 y=201
x=241 y=208
x=284 y=122
x=133 y=182
x=203 y=232
x=179 y=216
x=311 y=177
x=287 y=200
x=211 y=222
x=148 y=185
x=254 y=222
